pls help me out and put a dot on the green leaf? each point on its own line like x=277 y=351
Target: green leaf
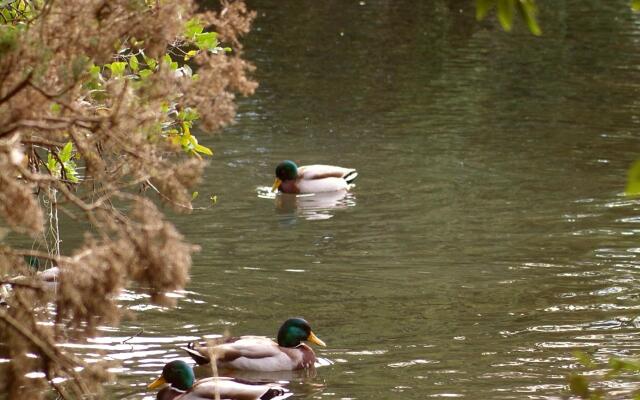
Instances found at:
x=55 y=108
x=94 y=70
x=117 y=68
x=65 y=153
x=51 y=163
x=6 y=3
x=584 y=358
x=188 y=114
x=194 y=195
x=167 y=59
x=633 y=180
x=505 y=13
x=133 y=63
x=190 y=54
x=192 y=28
x=528 y=11
x=186 y=130
x=185 y=142
x=618 y=364
x=151 y=63
x=213 y=199
x=145 y=73
x=6 y=14
x=579 y=386
x=203 y=149
x=70 y=173
x=483 y=7
x=635 y=5
x=207 y=41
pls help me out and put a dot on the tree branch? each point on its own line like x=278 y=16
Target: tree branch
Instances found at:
x=17 y=88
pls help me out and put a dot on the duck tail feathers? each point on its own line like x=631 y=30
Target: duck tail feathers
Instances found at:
x=272 y=393
x=196 y=355
x=351 y=176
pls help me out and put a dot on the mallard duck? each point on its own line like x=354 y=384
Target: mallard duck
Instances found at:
x=48 y=278
x=184 y=386
x=312 y=178
x=258 y=353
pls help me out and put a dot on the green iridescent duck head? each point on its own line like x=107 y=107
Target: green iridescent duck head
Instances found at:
x=285 y=171
x=295 y=330
x=177 y=373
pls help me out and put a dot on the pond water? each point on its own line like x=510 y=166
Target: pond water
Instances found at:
x=487 y=237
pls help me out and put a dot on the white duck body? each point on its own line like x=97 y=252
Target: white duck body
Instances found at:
x=256 y=353
x=319 y=178
x=231 y=389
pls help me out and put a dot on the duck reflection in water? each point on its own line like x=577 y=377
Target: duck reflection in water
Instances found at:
x=314 y=206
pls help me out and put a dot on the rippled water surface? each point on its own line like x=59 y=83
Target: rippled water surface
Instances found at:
x=487 y=237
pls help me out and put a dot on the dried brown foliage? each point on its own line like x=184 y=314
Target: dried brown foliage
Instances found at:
x=45 y=102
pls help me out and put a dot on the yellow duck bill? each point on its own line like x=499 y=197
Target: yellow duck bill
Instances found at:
x=157 y=383
x=314 y=339
x=276 y=184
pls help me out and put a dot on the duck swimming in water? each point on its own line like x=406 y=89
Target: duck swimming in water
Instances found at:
x=258 y=353
x=185 y=387
x=312 y=178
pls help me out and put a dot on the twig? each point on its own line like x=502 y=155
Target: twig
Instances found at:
x=36 y=287
x=17 y=88
x=55 y=97
x=119 y=100
x=26 y=333
x=57 y=387
x=43 y=142
x=140 y=332
x=213 y=362
x=31 y=124
x=53 y=216
x=185 y=206
x=63 y=171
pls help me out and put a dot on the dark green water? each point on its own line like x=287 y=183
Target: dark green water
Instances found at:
x=487 y=237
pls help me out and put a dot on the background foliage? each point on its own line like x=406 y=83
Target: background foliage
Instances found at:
x=98 y=100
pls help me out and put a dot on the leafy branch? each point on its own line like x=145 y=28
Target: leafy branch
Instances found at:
x=506 y=9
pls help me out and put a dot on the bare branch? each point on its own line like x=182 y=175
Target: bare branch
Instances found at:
x=21 y=85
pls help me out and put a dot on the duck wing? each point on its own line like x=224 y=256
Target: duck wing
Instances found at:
x=248 y=347
x=251 y=347
x=256 y=354
x=319 y=171
x=234 y=390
